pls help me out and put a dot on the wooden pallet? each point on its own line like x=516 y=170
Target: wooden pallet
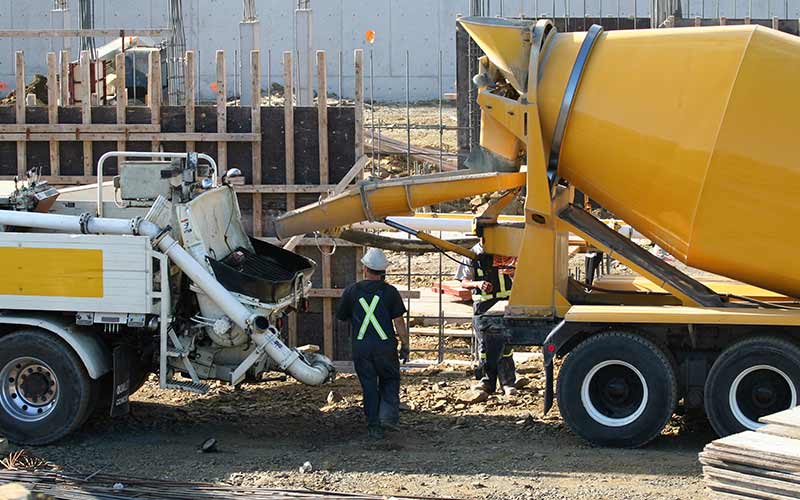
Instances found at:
x=757 y=465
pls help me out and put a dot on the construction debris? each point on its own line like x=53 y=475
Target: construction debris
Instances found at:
x=73 y=486
x=473 y=396
x=763 y=464
x=37 y=87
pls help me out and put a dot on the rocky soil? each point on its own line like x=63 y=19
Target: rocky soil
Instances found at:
x=503 y=448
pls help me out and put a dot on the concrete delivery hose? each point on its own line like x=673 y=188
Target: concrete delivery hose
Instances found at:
x=313 y=372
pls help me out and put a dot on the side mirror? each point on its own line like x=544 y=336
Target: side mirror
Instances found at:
x=232 y=173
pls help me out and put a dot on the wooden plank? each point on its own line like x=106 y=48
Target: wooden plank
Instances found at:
x=789 y=418
x=222 y=114
x=65 y=58
x=359 y=266
x=327 y=304
x=75 y=128
x=79 y=135
x=284 y=188
x=322 y=122
x=337 y=292
x=19 y=68
x=352 y=174
x=788 y=477
x=732 y=488
x=292 y=328
x=748 y=458
x=324 y=178
x=86 y=108
x=759 y=485
x=288 y=125
x=106 y=32
x=154 y=93
x=52 y=108
x=781 y=430
x=255 y=120
x=189 y=91
x=766 y=445
x=122 y=100
x=358 y=60
x=302 y=241
x=65 y=180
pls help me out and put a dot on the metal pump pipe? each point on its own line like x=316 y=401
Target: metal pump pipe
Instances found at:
x=289 y=359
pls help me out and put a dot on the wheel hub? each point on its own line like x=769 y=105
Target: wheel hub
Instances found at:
x=758 y=391
x=29 y=389
x=614 y=393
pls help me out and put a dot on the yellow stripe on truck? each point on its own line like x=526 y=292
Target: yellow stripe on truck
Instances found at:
x=52 y=272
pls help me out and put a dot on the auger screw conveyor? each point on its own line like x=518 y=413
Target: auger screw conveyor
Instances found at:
x=166 y=281
x=688 y=135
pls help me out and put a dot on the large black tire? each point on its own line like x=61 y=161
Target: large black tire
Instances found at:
x=617 y=389
x=46 y=391
x=750 y=379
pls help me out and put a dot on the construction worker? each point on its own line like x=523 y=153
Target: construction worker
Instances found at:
x=375 y=310
x=490 y=278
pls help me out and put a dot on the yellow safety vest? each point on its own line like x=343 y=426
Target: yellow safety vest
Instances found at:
x=502 y=294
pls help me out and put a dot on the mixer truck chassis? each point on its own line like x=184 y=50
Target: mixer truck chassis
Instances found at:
x=705 y=171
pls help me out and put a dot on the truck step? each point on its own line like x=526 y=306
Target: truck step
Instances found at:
x=197 y=388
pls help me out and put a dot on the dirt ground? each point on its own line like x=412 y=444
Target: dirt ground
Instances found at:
x=502 y=449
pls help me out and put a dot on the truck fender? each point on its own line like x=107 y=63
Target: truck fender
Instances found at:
x=553 y=343
x=96 y=357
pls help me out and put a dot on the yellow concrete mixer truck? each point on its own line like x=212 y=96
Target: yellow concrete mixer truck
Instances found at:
x=689 y=136
x=104 y=283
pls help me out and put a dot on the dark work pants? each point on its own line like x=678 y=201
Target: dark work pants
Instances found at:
x=379 y=374
x=496 y=360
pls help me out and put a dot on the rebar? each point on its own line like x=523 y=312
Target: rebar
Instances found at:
x=99 y=486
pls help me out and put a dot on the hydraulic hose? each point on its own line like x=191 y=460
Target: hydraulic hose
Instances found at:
x=312 y=372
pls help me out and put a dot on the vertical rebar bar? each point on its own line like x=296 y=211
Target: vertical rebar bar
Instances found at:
x=409 y=173
x=340 y=79
x=269 y=77
x=441 y=168
x=372 y=111
x=133 y=73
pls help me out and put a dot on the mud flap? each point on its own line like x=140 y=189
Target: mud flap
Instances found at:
x=120 y=404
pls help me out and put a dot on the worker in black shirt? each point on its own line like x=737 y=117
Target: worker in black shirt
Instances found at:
x=375 y=310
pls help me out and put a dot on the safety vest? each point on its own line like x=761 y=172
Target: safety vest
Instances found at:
x=370 y=319
x=504 y=291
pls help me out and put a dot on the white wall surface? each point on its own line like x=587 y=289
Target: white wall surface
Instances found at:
x=424 y=28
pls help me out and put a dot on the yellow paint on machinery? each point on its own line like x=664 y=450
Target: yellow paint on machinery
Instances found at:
x=686 y=134
x=374 y=201
x=681 y=315
x=52 y=272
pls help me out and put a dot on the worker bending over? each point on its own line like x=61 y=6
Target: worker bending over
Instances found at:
x=375 y=310
x=490 y=278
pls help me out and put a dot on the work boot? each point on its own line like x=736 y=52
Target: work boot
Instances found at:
x=375 y=432
x=521 y=382
x=483 y=385
x=510 y=390
x=391 y=426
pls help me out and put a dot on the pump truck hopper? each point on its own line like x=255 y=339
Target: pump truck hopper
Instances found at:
x=688 y=135
x=98 y=291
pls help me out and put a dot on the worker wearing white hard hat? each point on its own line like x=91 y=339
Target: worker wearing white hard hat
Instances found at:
x=375 y=311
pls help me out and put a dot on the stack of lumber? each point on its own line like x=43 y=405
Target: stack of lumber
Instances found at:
x=757 y=465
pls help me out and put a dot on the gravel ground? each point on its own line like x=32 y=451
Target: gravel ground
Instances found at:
x=501 y=449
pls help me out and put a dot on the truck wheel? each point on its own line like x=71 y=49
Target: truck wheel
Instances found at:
x=46 y=391
x=617 y=389
x=750 y=379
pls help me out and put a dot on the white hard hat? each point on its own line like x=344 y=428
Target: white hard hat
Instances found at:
x=375 y=259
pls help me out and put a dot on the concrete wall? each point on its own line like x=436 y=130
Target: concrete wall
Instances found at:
x=424 y=28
